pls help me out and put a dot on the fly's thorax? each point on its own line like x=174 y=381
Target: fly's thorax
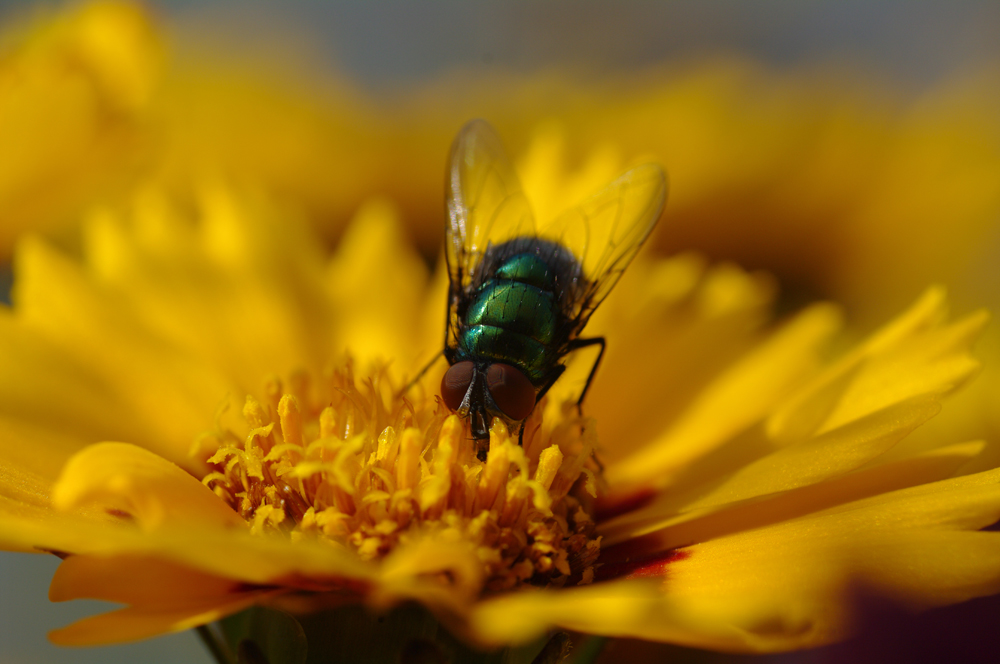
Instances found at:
x=529 y=269
x=515 y=307
x=515 y=311
x=534 y=261
x=500 y=345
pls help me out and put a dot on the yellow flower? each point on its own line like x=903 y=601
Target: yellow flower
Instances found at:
x=205 y=413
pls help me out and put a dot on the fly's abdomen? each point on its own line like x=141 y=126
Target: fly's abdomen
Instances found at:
x=512 y=322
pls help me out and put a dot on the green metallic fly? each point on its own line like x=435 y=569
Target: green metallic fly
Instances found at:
x=520 y=293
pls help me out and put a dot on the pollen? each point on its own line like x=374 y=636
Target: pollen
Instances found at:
x=360 y=466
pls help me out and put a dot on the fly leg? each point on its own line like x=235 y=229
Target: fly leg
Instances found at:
x=577 y=344
x=553 y=377
x=420 y=374
x=556 y=372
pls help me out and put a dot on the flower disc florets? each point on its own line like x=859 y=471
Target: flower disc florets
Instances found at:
x=369 y=469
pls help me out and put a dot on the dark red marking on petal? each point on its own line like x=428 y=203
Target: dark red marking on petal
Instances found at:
x=616 y=503
x=240 y=587
x=119 y=514
x=654 y=566
x=330 y=584
x=637 y=548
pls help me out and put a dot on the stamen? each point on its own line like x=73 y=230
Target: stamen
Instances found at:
x=371 y=471
x=291 y=421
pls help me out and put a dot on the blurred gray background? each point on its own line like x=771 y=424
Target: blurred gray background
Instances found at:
x=384 y=45
x=390 y=43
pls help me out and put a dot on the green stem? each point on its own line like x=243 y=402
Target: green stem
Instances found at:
x=408 y=634
x=219 y=652
x=588 y=650
x=556 y=650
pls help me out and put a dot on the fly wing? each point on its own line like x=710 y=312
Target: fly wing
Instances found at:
x=485 y=205
x=606 y=231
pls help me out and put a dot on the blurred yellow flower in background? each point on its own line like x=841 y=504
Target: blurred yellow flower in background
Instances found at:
x=836 y=185
x=74 y=97
x=753 y=478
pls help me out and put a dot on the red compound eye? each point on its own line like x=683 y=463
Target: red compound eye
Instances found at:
x=512 y=392
x=455 y=383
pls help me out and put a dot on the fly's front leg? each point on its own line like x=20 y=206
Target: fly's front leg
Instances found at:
x=420 y=374
x=577 y=344
x=553 y=377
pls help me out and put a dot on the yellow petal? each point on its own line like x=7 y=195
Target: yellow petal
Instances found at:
x=784 y=585
x=828 y=455
x=653 y=529
x=22 y=489
x=50 y=405
x=138 y=484
x=143 y=376
x=938 y=360
x=46 y=532
x=881 y=366
x=688 y=322
x=27 y=520
x=36 y=449
x=166 y=596
x=377 y=277
x=734 y=402
x=812 y=461
x=914 y=354
x=29 y=523
x=806 y=410
x=250 y=268
x=193 y=527
x=412 y=573
x=635 y=609
x=238 y=554
x=787 y=585
x=136 y=580
x=135 y=623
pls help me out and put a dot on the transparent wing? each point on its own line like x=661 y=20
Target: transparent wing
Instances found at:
x=484 y=198
x=485 y=204
x=606 y=231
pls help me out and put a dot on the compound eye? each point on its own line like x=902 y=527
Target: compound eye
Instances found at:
x=455 y=383
x=512 y=392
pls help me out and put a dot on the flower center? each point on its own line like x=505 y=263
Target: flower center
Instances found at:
x=367 y=468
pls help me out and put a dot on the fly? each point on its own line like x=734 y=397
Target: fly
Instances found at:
x=520 y=293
